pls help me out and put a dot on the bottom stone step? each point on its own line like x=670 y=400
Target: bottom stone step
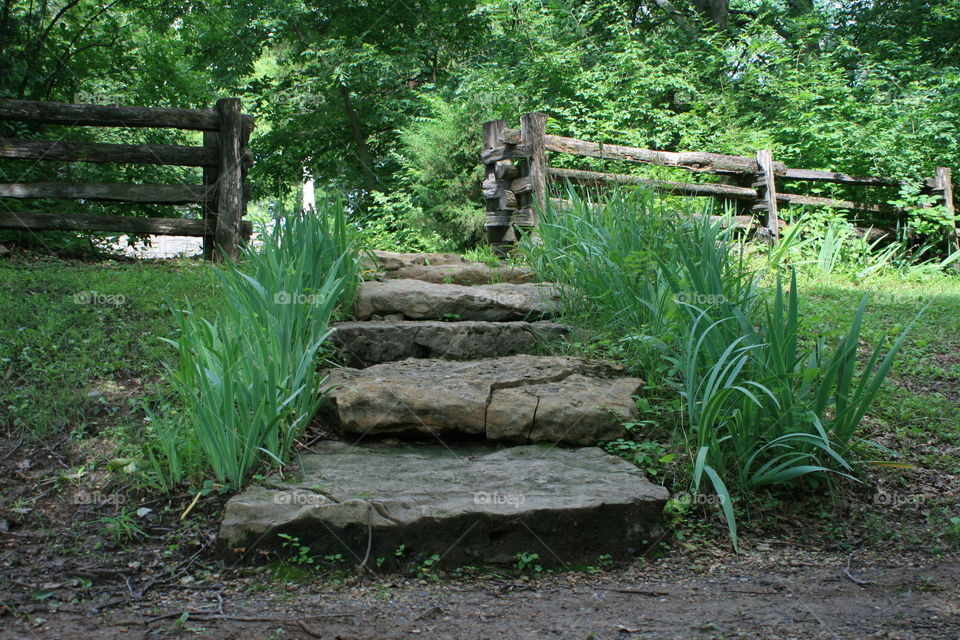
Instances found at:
x=470 y=505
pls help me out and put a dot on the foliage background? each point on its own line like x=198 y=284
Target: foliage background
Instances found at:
x=382 y=100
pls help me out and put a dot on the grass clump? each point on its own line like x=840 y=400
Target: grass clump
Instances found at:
x=246 y=382
x=764 y=404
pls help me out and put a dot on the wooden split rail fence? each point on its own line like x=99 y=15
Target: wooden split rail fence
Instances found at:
x=518 y=174
x=224 y=157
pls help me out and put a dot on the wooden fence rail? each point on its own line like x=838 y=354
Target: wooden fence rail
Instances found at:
x=518 y=174
x=224 y=157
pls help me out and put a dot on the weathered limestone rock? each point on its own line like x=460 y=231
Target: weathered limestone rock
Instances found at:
x=418 y=300
x=494 y=399
x=391 y=261
x=467 y=274
x=469 y=505
x=443 y=268
x=570 y=410
x=361 y=344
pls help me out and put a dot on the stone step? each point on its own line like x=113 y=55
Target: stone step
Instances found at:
x=468 y=505
x=443 y=268
x=465 y=274
x=390 y=260
x=418 y=300
x=521 y=398
x=364 y=343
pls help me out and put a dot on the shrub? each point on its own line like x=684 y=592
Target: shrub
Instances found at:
x=247 y=381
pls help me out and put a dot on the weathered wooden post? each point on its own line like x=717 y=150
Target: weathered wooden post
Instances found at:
x=498 y=171
x=766 y=202
x=514 y=193
x=246 y=159
x=210 y=175
x=533 y=133
x=943 y=186
x=230 y=199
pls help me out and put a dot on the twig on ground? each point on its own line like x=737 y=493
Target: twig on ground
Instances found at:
x=846 y=572
x=177 y=497
x=307 y=630
x=654 y=544
x=148 y=584
x=54 y=455
x=363 y=563
x=12 y=451
x=640 y=592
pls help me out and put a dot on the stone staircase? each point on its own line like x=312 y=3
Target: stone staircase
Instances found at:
x=459 y=436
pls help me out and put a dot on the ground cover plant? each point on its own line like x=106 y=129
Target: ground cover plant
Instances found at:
x=246 y=380
x=764 y=402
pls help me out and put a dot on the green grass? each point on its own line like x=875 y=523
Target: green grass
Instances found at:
x=83 y=347
x=920 y=400
x=70 y=366
x=55 y=352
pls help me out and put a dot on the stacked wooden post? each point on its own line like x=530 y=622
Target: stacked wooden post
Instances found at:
x=514 y=187
x=497 y=171
x=943 y=187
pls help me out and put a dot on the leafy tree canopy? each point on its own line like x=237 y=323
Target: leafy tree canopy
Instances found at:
x=382 y=99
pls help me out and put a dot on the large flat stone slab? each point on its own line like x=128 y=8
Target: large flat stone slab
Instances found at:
x=442 y=268
x=391 y=260
x=364 y=343
x=465 y=274
x=418 y=300
x=468 y=505
x=519 y=398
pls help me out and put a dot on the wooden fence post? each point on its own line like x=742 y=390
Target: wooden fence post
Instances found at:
x=499 y=230
x=230 y=201
x=533 y=133
x=943 y=184
x=766 y=187
x=246 y=159
x=210 y=175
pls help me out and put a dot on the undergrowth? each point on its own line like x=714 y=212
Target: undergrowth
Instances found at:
x=245 y=382
x=765 y=404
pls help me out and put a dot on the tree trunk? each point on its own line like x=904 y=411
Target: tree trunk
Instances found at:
x=718 y=11
x=309 y=204
x=363 y=154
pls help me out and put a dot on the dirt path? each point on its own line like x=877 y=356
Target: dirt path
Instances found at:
x=769 y=594
x=62 y=577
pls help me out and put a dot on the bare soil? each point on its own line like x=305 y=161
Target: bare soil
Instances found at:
x=62 y=575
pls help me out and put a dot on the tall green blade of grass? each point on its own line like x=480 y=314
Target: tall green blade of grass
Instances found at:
x=248 y=380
